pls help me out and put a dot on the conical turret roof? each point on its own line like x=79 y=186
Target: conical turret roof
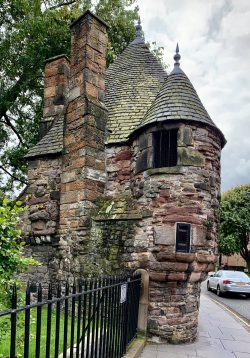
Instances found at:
x=177 y=100
x=132 y=83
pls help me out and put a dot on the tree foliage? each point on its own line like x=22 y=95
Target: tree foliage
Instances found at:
x=11 y=259
x=235 y=222
x=30 y=32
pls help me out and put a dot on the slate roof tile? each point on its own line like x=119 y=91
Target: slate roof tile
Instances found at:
x=177 y=100
x=132 y=83
x=51 y=143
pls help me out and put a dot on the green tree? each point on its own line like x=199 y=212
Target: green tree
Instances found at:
x=235 y=222
x=11 y=259
x=30 y=32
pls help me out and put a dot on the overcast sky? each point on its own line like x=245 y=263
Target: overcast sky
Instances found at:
x=214 y=41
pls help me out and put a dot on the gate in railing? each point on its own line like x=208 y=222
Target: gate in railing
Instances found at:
x=97 y=318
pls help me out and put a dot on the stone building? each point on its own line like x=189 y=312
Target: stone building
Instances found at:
x=126 y=175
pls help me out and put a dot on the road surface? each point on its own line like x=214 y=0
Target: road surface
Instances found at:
x=238 y=303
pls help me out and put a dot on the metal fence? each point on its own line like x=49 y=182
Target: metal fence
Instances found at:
x=96 y=318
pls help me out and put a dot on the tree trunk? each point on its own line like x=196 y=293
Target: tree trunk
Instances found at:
x=248 y=265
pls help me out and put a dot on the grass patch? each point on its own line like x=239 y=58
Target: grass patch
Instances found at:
x=5 y=334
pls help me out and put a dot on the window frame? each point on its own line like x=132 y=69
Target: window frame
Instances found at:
x=176 y=237
x=169 y=147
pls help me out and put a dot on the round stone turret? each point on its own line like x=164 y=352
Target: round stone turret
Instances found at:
x=176 y=179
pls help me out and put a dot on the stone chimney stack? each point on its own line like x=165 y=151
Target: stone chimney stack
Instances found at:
x=56 y=76
x=83 y=177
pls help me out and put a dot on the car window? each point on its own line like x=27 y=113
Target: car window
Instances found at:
x=235 y=274
x=217 y=274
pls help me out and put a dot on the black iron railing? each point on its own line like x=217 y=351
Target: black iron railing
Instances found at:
x=97 y=318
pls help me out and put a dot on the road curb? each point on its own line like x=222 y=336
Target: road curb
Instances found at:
x=135 y=348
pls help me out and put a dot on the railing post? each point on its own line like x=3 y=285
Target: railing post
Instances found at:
x=143 y=303
x=38 y=321
x=127 y=314
x=13 y=322
x=27 y=323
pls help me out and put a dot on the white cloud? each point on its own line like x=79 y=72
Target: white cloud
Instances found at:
x=214 y=39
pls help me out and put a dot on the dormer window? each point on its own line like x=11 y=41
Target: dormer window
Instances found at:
x=165 y=148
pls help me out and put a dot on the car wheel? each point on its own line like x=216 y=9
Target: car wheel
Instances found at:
x=218 y=291
x=208 y=286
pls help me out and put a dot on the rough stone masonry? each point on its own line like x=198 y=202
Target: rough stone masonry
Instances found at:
x=126 y=175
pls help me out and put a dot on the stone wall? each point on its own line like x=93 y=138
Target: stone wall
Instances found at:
x=44 y=250
x=118 y=164
x=40 y=222
x=42 y=196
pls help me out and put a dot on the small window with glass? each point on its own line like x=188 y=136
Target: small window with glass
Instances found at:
x=183 y=237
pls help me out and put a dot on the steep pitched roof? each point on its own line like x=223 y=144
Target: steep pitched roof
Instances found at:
x=132 y=83
x=177 y=100
x=52 y=142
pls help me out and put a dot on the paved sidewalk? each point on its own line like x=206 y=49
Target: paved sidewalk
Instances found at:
x=220 y=335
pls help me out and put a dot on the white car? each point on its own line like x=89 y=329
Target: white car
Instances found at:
x=224 y=281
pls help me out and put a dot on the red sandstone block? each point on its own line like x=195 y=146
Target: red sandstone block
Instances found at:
x=76 y=185
x=164 y=193
x=69 y=139
x=94 y=163
x=178 y=218
x=175 y=266
x=89 y=53
x=51 y=71
x=210 y=267
x=92 y=66
x=91 y=90
x=199 y=267
x=61 y=79
x=41 y=200
x=71 y=116
x=75 y=146
x=49 y=91
x=78 y=163
x=74 y=224
x=195 y=277
x=180 y=276
x=102 y=37
x=184 y=257
x=50 y=81
x=69 y=197
x=75 y=124
x=91 y=195
x=206 y=258
x=101 y=82
x=165 y=256
x=78 y=79
x=157 y=276
x=63 y=188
